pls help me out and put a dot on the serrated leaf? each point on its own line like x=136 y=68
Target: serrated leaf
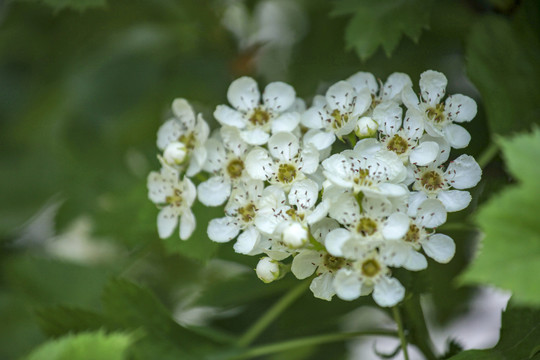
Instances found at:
x=520 y=336
x=382 y=23
x=502 y=61
x=509 y=253
x=86 y=346
x=71 y=4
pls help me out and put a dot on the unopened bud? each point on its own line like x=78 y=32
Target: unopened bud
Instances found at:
x=268 y=270
x=175 y=153
x=294 y=235
x=366 y=127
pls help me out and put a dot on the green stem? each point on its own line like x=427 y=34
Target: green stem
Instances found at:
x=485 y=157
x=308 y=341
x=272 y=313
x=402 y=339
x=419 y=334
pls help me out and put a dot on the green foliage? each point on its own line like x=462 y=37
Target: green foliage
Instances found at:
x=84 y=346
x=509 y=252
x=79 y=5
x=382 y=23
x=519 y=339
x=502 y=61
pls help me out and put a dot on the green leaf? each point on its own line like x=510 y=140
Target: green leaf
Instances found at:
x=61 y=320
x=382 y=23
x=87 y=346
x=519 y=339
x=509 y=253
x=502 y=61
x=72 y=4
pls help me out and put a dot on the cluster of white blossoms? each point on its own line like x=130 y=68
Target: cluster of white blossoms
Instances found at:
x=343 y=191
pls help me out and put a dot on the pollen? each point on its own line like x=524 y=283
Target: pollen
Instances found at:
x=333 y=263
x=259 y=117
x=366 y=226
x=175 y=199
x=432 y=180
x=339 y=119
x=436 y=114
x=247 y=213
x=286 y=173
x=235 y=168
x=398 y=145
x=413 y=234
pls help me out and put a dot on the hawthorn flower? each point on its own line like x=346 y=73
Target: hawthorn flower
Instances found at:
x=366 y=275
x=432 y=182
x=268 y=270
x=440 y=118
x=226 y=161
x=254 y=119
x=183 y=137
x=337 y=114
x=284 y=162
x=389 y=91
x=175 y=198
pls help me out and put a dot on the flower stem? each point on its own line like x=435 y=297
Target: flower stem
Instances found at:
x=272 y=313
x=419 y=334
x=308 y=341
x=397 y=318
x=488 y=154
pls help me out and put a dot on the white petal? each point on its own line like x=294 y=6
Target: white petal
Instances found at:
x=335 y=240
x=215 y=155
x=304 y=194
x=198 y=157
x=187 y=224
x=364 y=80
x=255 y=137
x=233 y=141
x=414 y=124
x=457 y=136
x=247 y=242
x=394 y=253
x=415 y=261
x=388 y=115
x=409 y=98
x=223 y=229
x=394 y=86
x=347 y=285
x=283 y=146
x=313 y=118
x=309 y=159
x=189 y=192
x=440 y=248
x=396 y=226
x=362 y=103
x=367 y=147
x=286 y=122
x=158 y=188
x=388 y=292
x=341 y=96
x=415 y=199
x=392 y=190
x=184 y=112
x=305 y=263
x=227 y=116
x=322 y=287
x=170 y=131
x=444 y=148
x=464 y=172
x=454 y=200
x=215 y=191
x=243 y=94
x=460 y=108
x=424 y=153
x=166 y=221
x=345 y=209
x=431 y=213
x=258 y=164
x=279 y=96
x=318 y=138
x=432 y=86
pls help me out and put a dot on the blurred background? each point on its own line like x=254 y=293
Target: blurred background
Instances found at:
x=84 y=86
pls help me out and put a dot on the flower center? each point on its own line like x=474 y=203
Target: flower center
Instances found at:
x=436 y=114
x=413 y=234
x=259 y=117
x=294 y=215
x=432 y=180
x=247 y=213
x=188 y=140
x=333 y=263
x=339 y=119
x=398 y=145
x=235 y=168
x=286 y=173
x=362 y=178
x=175 y=199
x=370 y=268
x=366 y=227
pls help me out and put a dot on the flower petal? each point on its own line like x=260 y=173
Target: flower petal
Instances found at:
x=425 y=153
x=279 y=96
x=304 y=194
x=322 y=287
x=184 y=112
x=454 y=200
x=305 y=263
x=166 y=221
x=396 y=226
x=457 y=136
x=335 y=240
x=432 y=86
x=214 y=191
x=283 y=146
x=440 y=248
x=415 y=261
x=460 y=108
x=363 y=80
x=247 y=242
x=388 y=292
x=258 y=164
x=223 y=229
x=431 y=213
x=341 y=96
x=394 y=86
x=286 y=122
x=464 y=172
x=347 y=285
x=187 y=224
x=227 y=116
x=318 y=138
x=243 y=94
x=388 y=115
x=255 y=136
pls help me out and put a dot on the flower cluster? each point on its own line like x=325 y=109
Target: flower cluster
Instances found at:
x=343 y=191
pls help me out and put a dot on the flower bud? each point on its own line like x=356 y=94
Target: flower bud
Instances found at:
x=366 y=127
x=175 y=153
x=268 y=270
x=294 y=235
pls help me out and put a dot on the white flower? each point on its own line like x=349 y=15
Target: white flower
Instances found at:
x=226 y=160
x=175 y=198
x=337 y=114
x=284 y=162
x=440 y=118
x=254 y=119
x=433 y=182
x=366 y=275
x=187 y=130
x=268 y=270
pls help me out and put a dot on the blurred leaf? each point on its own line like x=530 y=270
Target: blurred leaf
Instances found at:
x=510 y=250
x=71 y=4
x=520 y=336
x=502 y=61
x=382 y=23
x=61 y=320
x=87 y=346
